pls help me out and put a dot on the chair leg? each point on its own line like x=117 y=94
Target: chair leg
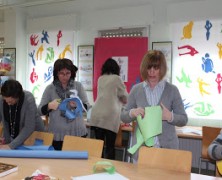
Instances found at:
x=124 y=154
x=200 y=163
x=207 y=167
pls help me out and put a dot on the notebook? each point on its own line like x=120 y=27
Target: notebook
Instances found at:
x=6 y=169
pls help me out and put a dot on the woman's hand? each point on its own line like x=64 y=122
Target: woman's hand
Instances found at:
x=137 y=111
x=5 y=146
x=123 y=100
x=72 y=104
x=53 y=104
x=166 y=114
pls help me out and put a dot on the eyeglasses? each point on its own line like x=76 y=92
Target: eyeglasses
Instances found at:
x=156 y=67
x=64 y=74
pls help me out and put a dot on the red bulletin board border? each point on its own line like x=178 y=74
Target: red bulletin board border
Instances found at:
x=132 y=47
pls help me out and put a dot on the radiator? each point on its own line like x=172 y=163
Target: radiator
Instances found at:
x=194 y=145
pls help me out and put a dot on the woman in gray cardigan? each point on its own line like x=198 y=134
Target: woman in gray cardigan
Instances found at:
x=153 y=91
x=63 y=87
x=18 y=113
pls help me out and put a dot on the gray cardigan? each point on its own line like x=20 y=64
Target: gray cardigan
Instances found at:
x=171 y=98
x=58 y=124
x=215 y=148
x=30 y=121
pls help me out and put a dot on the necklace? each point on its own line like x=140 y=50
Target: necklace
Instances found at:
x=12 y=122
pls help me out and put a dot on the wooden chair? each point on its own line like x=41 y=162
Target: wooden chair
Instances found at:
x=45 y=136
x=171 y=159
x=119 y=143
x=208 y=135
x=93 y=146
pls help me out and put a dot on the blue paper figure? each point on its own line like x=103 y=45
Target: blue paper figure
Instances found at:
x=48 y=76
x=45 y=36
x=207 y=64
x=208 y=26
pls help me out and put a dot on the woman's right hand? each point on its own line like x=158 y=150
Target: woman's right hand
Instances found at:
x=137 y=111
x=53 y=104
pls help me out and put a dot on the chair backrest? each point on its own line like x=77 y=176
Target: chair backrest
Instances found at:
x=45 y=136
x=93 y=146
x=208 y=135
x=171 y=159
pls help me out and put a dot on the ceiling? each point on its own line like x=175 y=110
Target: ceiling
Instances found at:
x=28 y=3
x=47 y=7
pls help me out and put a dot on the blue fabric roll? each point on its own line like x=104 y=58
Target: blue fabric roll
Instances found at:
x=44 y=154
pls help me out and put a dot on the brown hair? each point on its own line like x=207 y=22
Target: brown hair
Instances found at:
x=64 y=64
x=153 y=58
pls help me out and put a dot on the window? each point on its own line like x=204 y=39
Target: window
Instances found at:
x=122 y=32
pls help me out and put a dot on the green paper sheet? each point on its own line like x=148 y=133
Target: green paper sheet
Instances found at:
x=149 y=127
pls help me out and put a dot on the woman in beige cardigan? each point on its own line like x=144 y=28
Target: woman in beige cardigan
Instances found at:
x=105 y=115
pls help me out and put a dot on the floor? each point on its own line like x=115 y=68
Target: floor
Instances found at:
x=203 y=171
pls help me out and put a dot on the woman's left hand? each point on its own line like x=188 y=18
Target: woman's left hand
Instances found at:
x=5 y=146
x=72 y=104
x=166 y=114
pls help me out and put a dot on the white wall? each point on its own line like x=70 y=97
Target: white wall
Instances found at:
x=2 y=29
x=20 y=43
x=87 y=21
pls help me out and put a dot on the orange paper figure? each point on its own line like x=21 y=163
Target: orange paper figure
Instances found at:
x=187 y=31
x=67 y=49
x=39 y=52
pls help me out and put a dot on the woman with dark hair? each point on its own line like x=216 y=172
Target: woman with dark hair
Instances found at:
x=63 y=87
x=105 y=114
x=18 y=113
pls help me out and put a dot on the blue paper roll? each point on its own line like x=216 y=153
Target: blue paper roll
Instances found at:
x=34 y=147
x=44 y=154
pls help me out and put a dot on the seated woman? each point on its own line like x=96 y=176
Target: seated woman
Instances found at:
x=215 y=148
x=18 y=113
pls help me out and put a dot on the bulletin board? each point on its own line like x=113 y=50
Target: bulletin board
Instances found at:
x=130 y=49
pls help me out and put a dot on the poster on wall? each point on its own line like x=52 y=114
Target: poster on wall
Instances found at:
x=85 y=64
x=123 y=64
x=44 y=49
x=8 y=65
x=197 y=55
x=8 y=62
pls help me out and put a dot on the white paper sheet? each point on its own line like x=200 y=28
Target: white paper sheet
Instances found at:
x=101 y=176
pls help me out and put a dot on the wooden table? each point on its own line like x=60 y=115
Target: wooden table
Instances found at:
x=189 y=132
x=66 y=168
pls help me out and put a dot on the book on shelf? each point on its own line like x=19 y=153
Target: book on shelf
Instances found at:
x=6 y=169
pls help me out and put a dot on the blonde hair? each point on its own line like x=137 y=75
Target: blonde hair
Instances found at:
x=153 y=58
